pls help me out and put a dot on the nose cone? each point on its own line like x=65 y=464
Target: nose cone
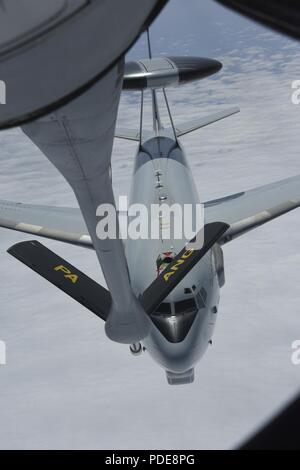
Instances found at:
x=195 y=68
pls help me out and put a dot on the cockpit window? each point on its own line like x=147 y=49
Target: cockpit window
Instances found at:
x=164 y=308
x=185 y=306
x=201 y=297
x=181 y=307
x=203 y=294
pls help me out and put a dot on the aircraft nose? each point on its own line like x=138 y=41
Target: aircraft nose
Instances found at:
x=174 y=329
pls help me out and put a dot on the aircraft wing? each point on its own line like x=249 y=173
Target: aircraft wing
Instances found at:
x=247 y=210
x=58 y=223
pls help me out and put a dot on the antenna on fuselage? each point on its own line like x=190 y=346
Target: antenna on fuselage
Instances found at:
x=157 y=125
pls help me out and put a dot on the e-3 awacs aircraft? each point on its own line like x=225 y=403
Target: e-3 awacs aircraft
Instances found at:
x=165 y=302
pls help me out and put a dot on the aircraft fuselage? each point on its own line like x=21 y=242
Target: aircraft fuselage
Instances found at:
x=183 y=326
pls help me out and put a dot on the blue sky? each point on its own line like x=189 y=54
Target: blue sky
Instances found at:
x=202 y=28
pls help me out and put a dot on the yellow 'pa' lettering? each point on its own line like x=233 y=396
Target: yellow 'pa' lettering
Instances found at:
x=72 y=277
x=68 y=274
